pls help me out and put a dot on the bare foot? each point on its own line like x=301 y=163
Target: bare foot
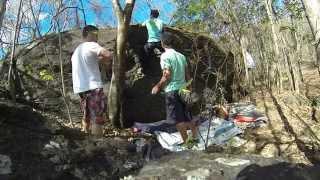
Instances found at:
x=85 y=127
x=97 y=130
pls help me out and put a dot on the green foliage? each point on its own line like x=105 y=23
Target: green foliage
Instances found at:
x=315 y=101
x=194 y=11
x=284 y=27
x=294 y=8
x=45 y=75
x=216 y=16
x=28 y=69
x=197 y=6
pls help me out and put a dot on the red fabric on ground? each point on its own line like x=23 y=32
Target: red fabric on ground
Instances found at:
x=240 y=118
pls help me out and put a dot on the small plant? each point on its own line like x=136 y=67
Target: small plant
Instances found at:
x=45 y=75
x=28 y=69
x=315 y=101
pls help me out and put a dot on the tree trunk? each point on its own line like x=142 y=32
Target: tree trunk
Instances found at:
x=77 y=19
x=83 y=13
x=115 y=100
x=276 y=65
x=65 y=100
x=12 y=67
x=237 y=33
x=312 y=11
x=263 y=70
x=2 y=11
x=296 y=57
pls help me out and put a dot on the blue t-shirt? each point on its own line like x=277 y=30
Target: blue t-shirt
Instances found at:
x=154 y=27
x=176 y=63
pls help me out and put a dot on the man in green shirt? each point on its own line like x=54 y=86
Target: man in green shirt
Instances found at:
x=155 y=28
x=175 y=73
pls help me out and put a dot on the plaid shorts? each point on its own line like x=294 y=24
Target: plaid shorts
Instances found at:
x=92 y=104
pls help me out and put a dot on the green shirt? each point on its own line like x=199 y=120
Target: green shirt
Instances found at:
x=154 y=27
x=176 y=63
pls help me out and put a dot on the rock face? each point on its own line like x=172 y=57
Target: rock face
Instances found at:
x=195 y=165
x=39 y=61
x=5 y=164
x=33 y=146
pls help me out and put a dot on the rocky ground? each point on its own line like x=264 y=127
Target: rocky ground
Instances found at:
x=41 y=147
x=221 y=166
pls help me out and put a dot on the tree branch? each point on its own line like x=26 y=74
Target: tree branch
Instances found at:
x=128 y=10
x=65 y=8
x=117 y=9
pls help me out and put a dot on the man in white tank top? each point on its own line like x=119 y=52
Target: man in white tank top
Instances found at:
x=86 y=78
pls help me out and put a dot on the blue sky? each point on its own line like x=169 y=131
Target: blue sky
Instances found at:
x=101 y=16
x=140 y=13
x=104 y=15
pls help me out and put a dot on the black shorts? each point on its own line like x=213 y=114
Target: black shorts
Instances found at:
x=176 y=109
x=150 y=46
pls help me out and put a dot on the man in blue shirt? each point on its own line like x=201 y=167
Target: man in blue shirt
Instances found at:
x=155 y=28
x=174 y=75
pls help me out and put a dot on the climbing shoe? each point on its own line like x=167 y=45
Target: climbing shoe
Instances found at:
x=192 y=142
x=185 y=146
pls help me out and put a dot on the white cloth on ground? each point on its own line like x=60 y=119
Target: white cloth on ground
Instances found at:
x=220 y=132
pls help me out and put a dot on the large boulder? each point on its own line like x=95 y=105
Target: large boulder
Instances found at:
x=40 y=83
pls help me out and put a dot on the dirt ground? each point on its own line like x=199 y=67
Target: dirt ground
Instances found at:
x=293 y=132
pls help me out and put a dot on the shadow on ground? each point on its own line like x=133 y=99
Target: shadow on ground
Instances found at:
x=309 y=153
x=41 y=149
x=280 y=171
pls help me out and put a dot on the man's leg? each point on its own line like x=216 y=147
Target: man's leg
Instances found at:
x=173 y=110
x=97 y=110
x=194 y=129
x=157 y=49
x=97 y=130
x=153 y=49
x=147 y=49
x=84 y=108
x=85 y=125
x=182 y=128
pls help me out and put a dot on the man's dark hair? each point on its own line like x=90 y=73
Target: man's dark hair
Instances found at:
x=154 y=13
x=167 y=39
x=87 y=29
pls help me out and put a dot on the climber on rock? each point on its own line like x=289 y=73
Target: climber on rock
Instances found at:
x=155 y=27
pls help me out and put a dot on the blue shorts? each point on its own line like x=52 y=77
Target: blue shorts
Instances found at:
x=176 y=109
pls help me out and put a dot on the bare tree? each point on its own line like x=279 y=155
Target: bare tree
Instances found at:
x=83 y=13
x=2 y=11
x=275 y=76
x=115 y=101
x=60 y=10
x=63 y=90
x=12 y=67
x=312 y=9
